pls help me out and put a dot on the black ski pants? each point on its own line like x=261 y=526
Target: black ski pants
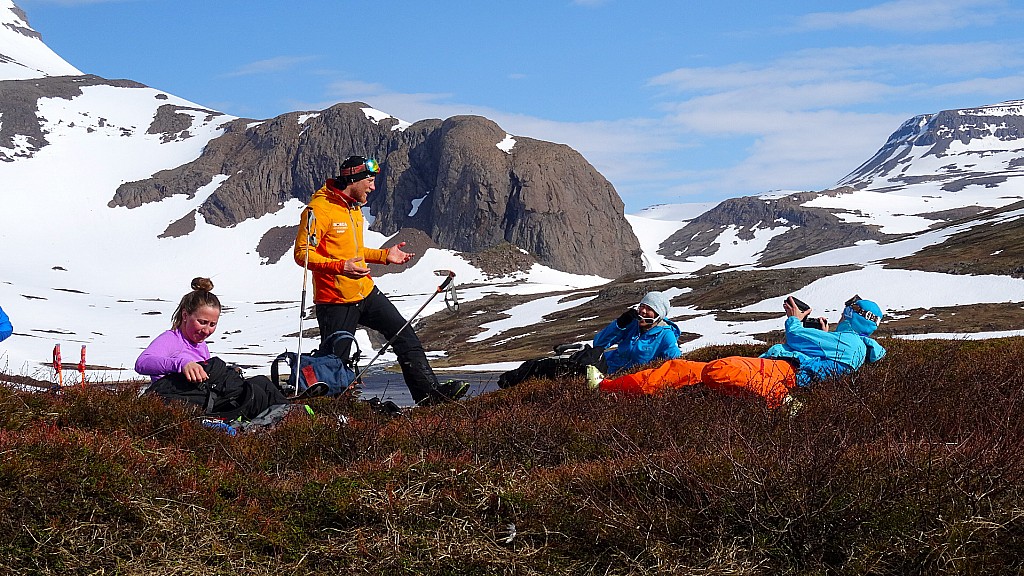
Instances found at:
x=376 y=312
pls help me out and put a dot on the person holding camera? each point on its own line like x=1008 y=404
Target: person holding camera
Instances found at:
x=641 y=334
x=808 y=355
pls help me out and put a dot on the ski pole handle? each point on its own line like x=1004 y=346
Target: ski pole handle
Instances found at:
x=447 y=281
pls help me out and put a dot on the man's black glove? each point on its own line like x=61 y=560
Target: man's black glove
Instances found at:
x=626 y=318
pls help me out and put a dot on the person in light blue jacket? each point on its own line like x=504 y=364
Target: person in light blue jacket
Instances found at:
x=6 y=329
x=820 y=354
x=640 y=335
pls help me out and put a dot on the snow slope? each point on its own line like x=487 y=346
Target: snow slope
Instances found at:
x=23 y=54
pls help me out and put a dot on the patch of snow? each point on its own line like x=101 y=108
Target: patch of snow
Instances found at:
x=529 y=314
x=507 y=144
x=899 y=290
x=961 y=336
x=416 y=204
x=376 y=116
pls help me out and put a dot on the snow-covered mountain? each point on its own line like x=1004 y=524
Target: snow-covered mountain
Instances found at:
x=23 y=54
x=80 y=269
x=936 y=170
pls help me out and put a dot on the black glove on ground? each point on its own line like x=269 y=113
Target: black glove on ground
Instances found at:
x=626 y=318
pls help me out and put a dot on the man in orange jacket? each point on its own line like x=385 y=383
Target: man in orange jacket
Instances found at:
x=343 y=290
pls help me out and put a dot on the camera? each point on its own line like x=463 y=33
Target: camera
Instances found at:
x=803 y=306
x=812 y=323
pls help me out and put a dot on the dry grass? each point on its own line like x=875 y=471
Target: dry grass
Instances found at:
x=913 y=466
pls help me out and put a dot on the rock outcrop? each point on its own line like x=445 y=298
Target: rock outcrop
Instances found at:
x=446 y=178
x=21 y=131
x=806 y=228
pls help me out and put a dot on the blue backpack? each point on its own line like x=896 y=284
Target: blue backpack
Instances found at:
x=318 y=366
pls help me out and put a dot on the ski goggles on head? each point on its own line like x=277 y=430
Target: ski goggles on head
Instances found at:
x=852 y=307
x=370 y=166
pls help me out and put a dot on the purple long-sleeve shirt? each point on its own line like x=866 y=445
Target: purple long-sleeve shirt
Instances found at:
x=169 y=352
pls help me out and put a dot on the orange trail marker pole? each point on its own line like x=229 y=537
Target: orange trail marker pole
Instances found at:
x=81 y=366
x=57 y=368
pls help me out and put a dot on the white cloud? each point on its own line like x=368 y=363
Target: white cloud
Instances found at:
x=801 y=121
x=915 y=15
x=269 y=65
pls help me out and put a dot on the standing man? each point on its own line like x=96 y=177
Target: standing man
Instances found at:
x=343 y=291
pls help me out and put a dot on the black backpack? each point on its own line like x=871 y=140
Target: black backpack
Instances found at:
x=319 y=366
x=571 y=360
x=226 y=394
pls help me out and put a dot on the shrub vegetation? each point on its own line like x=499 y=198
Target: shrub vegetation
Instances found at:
x=912 y=466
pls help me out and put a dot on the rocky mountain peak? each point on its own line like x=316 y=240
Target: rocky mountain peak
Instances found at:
x=948 y=146
x=449 y=179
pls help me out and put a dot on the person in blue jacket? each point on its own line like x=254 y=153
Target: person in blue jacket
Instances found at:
x=821 y=354
x=640 y=335
x=6 y=329
x=809 y=354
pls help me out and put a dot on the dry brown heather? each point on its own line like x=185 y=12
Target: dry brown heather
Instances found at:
x=914 y=466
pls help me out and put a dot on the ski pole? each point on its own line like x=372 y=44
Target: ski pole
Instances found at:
x=446 y=285
x=311 y=240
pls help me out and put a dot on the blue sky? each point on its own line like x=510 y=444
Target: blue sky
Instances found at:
x=673 y=101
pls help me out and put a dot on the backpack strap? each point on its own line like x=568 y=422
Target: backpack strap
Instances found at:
x=214 y=385
x=275 y=370
x=340 y=335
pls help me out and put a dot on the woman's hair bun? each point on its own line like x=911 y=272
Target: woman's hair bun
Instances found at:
x=200 y=283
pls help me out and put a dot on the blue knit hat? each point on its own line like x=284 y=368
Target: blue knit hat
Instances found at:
x=658 y=302
x=860 y=316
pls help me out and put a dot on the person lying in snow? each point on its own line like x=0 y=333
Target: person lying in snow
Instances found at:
x=808 y=355
x=639 y=335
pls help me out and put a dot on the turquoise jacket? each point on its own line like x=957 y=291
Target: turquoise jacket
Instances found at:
x=821 y=355
x=636 y=348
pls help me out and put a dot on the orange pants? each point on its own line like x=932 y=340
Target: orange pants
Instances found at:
x=769 y=378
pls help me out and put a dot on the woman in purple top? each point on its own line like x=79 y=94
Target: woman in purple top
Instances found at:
x=181 y=348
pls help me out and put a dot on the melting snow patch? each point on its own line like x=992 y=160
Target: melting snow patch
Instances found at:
x=376 y=116
x=528 y=314
x=416 y=204
x=507 y=144
x=959 y=336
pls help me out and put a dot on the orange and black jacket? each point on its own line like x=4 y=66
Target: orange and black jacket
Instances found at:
x=338 y=228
